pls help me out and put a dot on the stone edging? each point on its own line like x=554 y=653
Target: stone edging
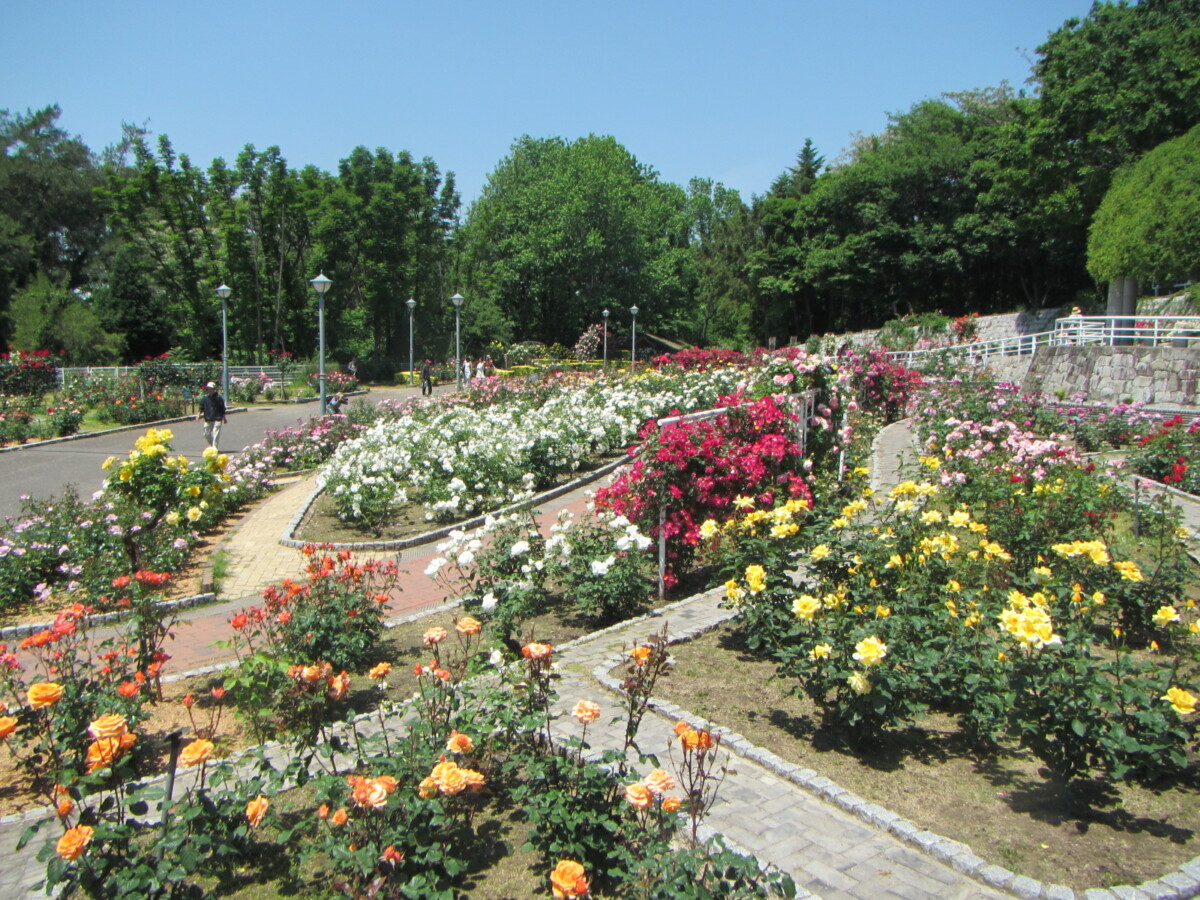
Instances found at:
x=16 y=632
x=288 y=540
x=1181 y=884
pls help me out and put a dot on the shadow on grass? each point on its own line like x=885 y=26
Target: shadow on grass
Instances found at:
x=1081 y=802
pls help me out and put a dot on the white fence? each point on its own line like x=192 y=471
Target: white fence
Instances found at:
x=1140 y=331
x=67 y=375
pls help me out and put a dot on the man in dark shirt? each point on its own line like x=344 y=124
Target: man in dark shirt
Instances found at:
x=212 y=410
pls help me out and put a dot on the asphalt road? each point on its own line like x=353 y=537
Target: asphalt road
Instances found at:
x=42 y=471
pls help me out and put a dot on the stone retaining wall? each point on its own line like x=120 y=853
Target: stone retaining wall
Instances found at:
x=1163 y=376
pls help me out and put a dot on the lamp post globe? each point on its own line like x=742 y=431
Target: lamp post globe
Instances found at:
x=411 y=304
x=321 y=284
x=457 y=300
x=224 y=292
x=633 y=311
x=604 y=315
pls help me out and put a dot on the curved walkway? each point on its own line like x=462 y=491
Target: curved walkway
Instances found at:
x=835 y=844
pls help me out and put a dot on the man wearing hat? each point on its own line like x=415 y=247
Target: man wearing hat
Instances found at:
x=212 y=410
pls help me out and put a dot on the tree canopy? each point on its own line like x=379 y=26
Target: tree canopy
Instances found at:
x=1148 y=226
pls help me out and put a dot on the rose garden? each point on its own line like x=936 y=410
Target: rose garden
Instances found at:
x=1015 y=581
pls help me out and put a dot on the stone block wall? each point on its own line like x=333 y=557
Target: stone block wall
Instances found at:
x=1165 y=376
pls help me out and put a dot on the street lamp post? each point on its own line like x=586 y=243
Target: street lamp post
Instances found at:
x=604 y=315
x=633 y=311
x=224 y=291
x=411 y=304
x=457 y=300
x=321 y=285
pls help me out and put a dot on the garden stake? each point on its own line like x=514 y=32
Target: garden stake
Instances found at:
x=176 y=739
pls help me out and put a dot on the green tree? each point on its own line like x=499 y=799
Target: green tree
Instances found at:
x=565 y=229
x=51 y=220
x=1148 y=226
x=160 y=205
x=49 y=316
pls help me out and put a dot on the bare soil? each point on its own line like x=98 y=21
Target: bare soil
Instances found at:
x=1004 y=806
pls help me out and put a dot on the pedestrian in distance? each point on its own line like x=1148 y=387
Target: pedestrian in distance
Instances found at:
x=466 y=371
x=334 y=405
x=427 y=378
x=212 y=411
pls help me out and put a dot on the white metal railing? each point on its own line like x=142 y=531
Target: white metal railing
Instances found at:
x=74 y=374
x=1145 y=331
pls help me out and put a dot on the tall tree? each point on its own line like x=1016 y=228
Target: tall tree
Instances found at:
x=564 y=229
x=51 y=219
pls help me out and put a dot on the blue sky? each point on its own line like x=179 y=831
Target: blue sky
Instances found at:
x=723 y=90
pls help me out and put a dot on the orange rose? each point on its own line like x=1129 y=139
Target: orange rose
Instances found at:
x=369 y=793
x=108 y=726
x=45 y=693
x=72 y=844
x=638 y=795
x=105 y=751
x=323 y=811
x=459 y=743
x=65 y=807
x=8 y=725
x=671 y=804
x=586 y=711
x=452 y=782
x=474 y=779
x=339 y=686
x=468 y=625
x=195 y=753
x=640 y=655
x=435 y=635
x=659 y=782
x=256 y=809
x=537 y=651
x=568 y=880
x=680 y=727
x=339 y=818
x=696 y=740
x=381 y=670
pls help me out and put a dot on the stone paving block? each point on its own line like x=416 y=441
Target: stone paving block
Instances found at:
x=1182 y=882
x=828 y=875
x=1129 y=892
x=1158 y=891
x=1098 y=894
x=1025 y=887
x=1059 y=892
x=996 y=876
x=1192 y=867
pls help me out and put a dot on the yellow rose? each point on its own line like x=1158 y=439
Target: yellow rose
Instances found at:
x=1181 y=701
x=870 y=651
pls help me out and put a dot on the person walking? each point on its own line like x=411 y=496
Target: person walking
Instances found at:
x=466 y=371
x=427 y=378
x=212 y=411
x=481 y=369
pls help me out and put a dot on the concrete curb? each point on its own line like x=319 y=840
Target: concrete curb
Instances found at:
x=17 y=632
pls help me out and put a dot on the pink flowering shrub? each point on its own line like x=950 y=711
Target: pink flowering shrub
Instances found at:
x=699 y=468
